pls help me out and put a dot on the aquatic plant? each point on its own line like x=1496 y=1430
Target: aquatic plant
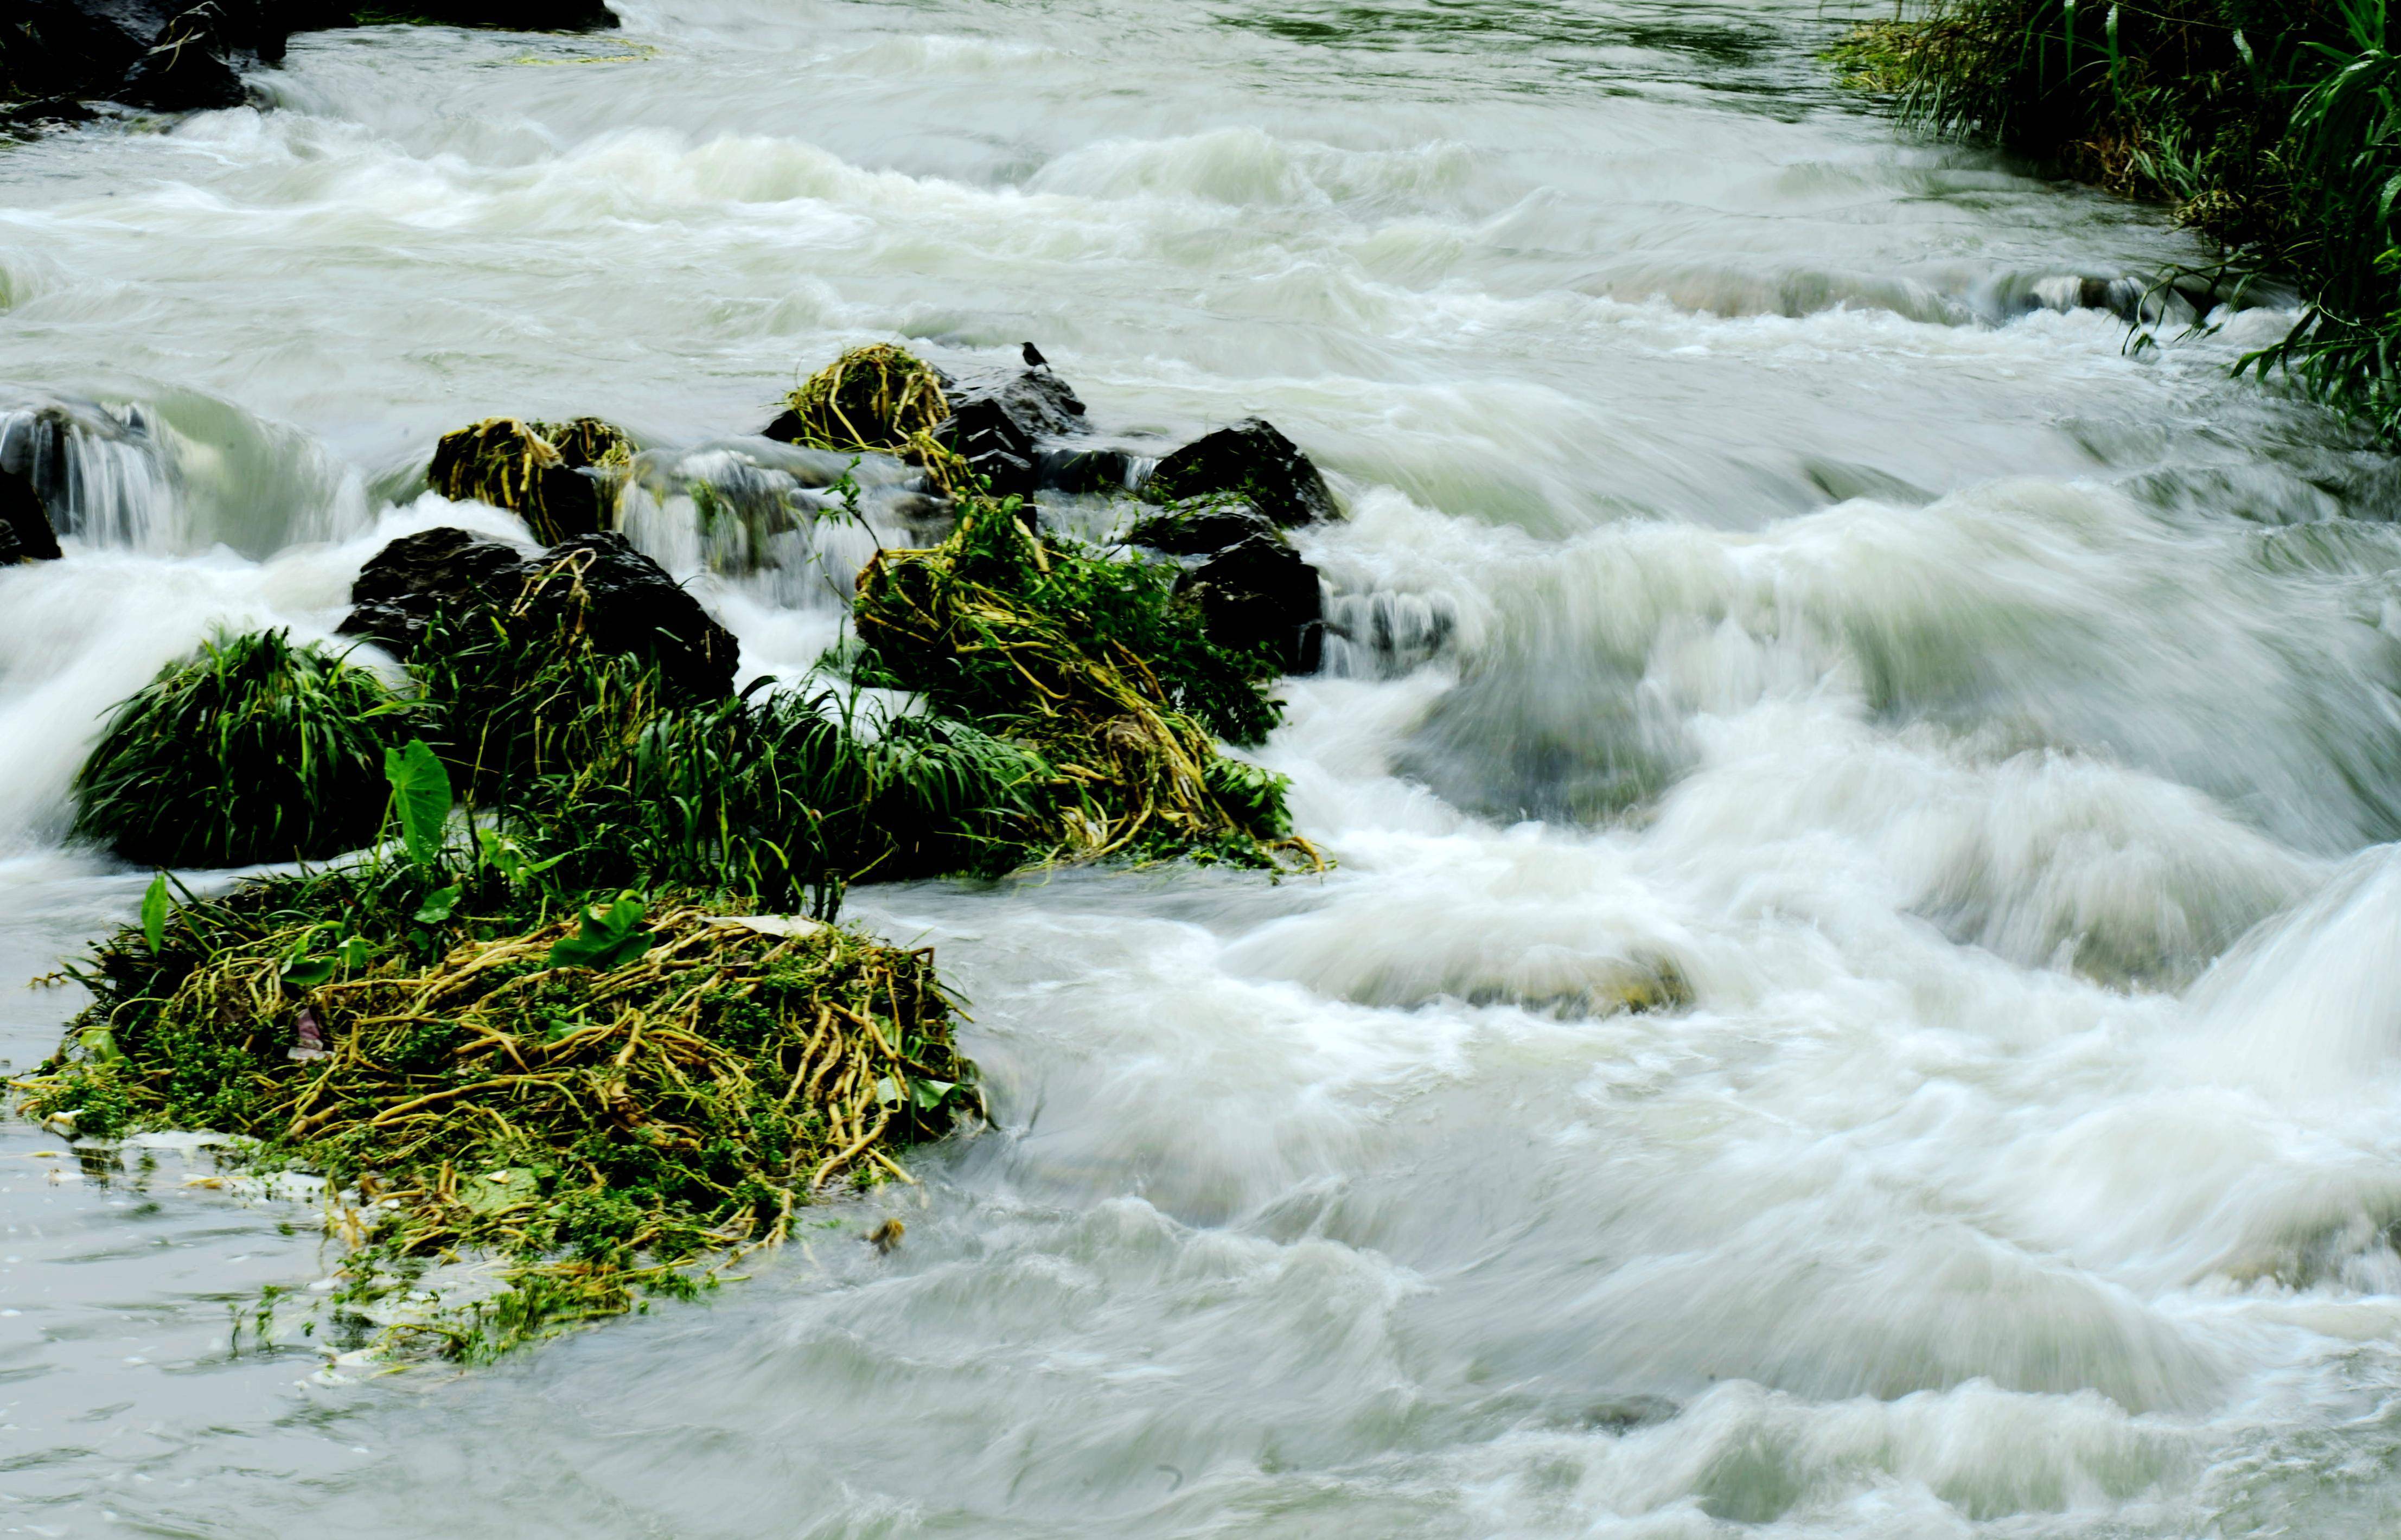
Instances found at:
x=256 y=750
x=561 y=477
x=2271 y=126
x=879 y=399
x=609 y=1101
x=786 y=801
x=1094 y=664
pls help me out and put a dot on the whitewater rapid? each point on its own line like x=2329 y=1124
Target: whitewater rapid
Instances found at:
x=1984 y=725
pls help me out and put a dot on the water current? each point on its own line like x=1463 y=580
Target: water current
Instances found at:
x=1752 y=577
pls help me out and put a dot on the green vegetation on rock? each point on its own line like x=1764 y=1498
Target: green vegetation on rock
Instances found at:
x=1094 y=664
x=561 y=477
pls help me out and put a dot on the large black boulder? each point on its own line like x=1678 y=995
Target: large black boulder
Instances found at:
x=625 y=602
x=445 y=570
x=1252 y=461
x=997 y=426
x=1258 y=593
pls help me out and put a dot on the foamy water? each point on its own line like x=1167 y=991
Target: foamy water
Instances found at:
x=1757 y=595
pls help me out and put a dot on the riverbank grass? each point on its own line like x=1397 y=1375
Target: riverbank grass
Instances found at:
x=2273 y=126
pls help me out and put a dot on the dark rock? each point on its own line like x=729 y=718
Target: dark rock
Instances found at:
x=628 y=604
x=1258 y=593
x=85 y=44
x=185 y=69
x=637 y=607
x=996 y=426
x=1089 y=471
x=168 y=54
x=1203 y=525
x=1251 y=460
x=448 y=571
x=32 y=478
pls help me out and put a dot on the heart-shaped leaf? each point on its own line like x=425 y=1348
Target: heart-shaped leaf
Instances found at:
x=420 y=793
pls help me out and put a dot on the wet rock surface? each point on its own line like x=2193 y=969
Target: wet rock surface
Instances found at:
x=998 y=426
x=630 y=604
x=32 y=485
x=1251 y=460
x=1200 y=527
x=1257 y=593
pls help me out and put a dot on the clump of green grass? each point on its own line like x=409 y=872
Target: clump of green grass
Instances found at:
x=257 y=749
x=2271 y=126
x=1095 y=666
x=610 y=1101
x=789 y=800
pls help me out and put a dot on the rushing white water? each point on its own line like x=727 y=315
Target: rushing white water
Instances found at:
x=1755 y=578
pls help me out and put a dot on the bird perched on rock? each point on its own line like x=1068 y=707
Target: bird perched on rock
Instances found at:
x=1033 y=359
x=883 y=1237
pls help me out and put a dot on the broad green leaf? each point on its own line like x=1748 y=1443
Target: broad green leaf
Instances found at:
x=607 y=939
x=420 y=791
x=438 y=905
x=102 y=1044
x=154 y=914
x=929 y=1093
x=355 y=953
x=308 y=972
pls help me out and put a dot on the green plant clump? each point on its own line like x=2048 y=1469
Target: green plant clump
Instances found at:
x=1094 y=664
x=2272 y=126
x=257 y=749
x=562 y=478
x=879 y=399
x=609 y=1102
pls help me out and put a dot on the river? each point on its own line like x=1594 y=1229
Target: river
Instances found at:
x=1990 y=724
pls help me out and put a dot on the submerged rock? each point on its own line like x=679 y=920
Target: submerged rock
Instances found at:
x=1257 y=593
x=518 y=15
x=1251 y=460
x=1101 y=471
x=561 y=477
x=625 y=601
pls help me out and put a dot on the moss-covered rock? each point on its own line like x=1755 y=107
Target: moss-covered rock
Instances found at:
x=562 y=478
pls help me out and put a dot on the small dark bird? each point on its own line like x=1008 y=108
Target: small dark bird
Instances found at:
x=883 y=1237
x=1033 y=359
